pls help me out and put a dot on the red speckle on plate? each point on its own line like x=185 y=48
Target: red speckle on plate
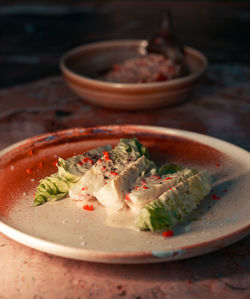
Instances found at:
x=113 y=173
x=168 y=233
x=88 y=207
x=29 y=170
x=40 y=164
x=127 y=197
x=214 y=196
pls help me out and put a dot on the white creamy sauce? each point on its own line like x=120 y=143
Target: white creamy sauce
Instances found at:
x=124 y=218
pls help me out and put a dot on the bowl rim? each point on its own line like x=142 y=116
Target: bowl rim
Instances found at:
x=190 y=77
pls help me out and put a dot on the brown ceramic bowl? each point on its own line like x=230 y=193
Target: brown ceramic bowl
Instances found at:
x=82 y=65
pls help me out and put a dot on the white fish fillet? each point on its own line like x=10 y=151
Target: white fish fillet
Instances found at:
x=112 y=195
x=155 y=187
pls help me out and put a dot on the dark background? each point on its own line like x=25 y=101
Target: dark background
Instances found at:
x=35 y=34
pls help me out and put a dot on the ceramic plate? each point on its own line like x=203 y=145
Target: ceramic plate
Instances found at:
x=63 y=228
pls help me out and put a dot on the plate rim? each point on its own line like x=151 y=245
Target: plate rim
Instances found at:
x=136 y=256
x=127 y=257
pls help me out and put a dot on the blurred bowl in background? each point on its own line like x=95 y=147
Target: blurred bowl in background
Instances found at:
x=82 y=66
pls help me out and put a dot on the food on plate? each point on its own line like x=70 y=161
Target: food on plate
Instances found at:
x=155 y=186
x=69 y=173
x=104 y=161
x=112 y=194
x=107 y=167
x=124 y=177
x=174 y=204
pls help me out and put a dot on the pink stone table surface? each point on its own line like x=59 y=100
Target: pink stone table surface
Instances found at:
x=220 y=107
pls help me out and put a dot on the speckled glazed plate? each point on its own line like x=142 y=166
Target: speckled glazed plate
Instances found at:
x=63 y=228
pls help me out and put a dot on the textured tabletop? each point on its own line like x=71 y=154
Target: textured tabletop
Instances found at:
x=220 y=107
x=33 y=38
